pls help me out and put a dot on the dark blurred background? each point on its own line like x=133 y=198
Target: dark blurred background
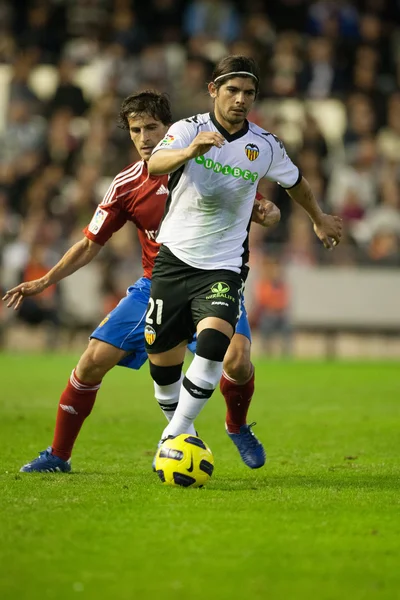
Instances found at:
x=330 y=88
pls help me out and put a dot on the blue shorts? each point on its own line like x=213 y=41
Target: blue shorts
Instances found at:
x=124 y=326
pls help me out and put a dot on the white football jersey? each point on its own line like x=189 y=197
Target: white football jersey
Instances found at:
x=208 y=211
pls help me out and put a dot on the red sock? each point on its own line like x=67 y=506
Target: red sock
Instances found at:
x=237 y=399
x=75 y=405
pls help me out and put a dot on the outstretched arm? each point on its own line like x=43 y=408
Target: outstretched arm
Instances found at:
x=327 y=227
x=79 y=255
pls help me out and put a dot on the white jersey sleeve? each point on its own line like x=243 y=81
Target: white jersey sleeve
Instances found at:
x=281 y=169
x=179 y=135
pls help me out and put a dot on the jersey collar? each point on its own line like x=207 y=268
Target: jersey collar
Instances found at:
x=230 y=137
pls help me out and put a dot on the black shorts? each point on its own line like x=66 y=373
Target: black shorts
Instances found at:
x=181 y=296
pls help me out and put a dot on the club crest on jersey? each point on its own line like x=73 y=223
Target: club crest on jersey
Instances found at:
x=167 y=140
x=252 y=151
x=149 y=335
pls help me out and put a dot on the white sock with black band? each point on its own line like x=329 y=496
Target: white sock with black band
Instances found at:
x=167 y=397
x=200 y=381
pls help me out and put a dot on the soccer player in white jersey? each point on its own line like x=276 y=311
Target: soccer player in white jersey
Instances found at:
x=215 y=161
x=119 y=339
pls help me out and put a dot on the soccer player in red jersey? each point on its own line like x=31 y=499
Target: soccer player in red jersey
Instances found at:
x=134 y=196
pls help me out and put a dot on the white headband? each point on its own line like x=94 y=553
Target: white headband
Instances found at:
x=236 y=73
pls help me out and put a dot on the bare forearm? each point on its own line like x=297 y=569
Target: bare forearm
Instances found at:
x=167 y=161
x=79 y=255
x=303 y=195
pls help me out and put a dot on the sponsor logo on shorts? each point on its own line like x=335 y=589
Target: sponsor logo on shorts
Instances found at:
x=220 y=290
x=149 y=335
x=220 y=303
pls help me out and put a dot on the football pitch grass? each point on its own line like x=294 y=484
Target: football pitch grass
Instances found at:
x=321 y=520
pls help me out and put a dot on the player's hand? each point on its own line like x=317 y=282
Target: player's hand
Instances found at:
x=203 y=142
x=16 y=295
x=265 y=213
x=329 y=230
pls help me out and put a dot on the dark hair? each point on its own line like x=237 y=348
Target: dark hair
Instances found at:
x=151 y=102
x=235 y=64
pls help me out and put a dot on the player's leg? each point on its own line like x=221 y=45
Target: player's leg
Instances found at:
x=237 y=382
x=75 y=405
x=78 y=398
x=215 y=311
x=237 y=387
x=117 y=340
x=165 y=362
x=166 y=372
x=168 y=327
x=203 y=375
x=167 y=384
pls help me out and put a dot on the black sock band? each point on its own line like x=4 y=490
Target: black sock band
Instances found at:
x=196 y=391
x=168 y=407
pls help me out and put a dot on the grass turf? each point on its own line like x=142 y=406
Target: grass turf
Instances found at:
x=321 y=520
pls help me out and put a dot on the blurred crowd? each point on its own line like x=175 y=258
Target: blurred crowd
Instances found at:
x=330 y=89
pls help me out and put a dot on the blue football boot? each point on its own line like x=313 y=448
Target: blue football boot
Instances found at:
x=47 y=463
x=250 y=448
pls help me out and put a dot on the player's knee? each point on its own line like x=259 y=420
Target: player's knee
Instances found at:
x=237 y=365
x=93 y=364
x=212 y=344
x=165 y=375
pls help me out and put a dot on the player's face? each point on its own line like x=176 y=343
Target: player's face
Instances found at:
x=234 y=99
x=146 y=132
